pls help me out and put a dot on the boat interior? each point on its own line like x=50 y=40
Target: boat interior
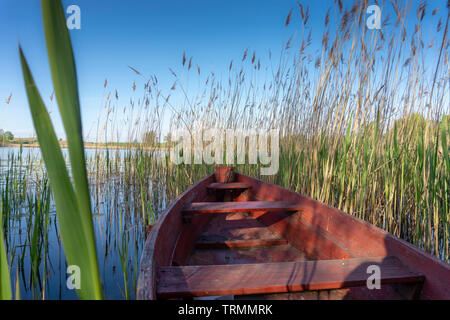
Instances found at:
x=241 y=238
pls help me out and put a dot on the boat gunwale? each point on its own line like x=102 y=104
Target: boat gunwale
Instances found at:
x=146 y=286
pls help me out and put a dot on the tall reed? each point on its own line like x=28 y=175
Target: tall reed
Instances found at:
x=363 y=119
x=5 y=285
x=72 y=201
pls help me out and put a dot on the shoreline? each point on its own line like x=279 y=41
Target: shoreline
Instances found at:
x=87 y=146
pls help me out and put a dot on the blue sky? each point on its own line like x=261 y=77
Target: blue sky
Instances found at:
x=148 y=35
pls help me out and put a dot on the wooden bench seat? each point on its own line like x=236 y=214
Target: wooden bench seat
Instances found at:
x=244 y=279
x=229 y=185
x=241 y=243
x=244 y=206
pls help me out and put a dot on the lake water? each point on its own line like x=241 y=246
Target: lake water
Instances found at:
x=119 y=226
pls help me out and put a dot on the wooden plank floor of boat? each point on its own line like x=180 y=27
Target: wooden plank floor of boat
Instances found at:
x=237 y=255
x=238 y=238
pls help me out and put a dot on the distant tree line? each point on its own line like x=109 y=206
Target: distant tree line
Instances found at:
x=151 y=138
x=6 y=136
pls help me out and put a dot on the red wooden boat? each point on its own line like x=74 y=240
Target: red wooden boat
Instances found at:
x=237 y=237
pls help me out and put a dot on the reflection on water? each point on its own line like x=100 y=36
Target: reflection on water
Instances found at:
x=126 y=196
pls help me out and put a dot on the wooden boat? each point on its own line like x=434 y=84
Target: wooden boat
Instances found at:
x=237 y=237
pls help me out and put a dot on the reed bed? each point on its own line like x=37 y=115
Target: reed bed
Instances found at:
x=363 y=119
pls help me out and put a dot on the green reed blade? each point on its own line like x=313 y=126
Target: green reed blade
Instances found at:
x=5 y=285
x=444 y=129
x=17 y=293
x=65 y=83
x=78 y=241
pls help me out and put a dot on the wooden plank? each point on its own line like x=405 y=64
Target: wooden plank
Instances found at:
x=244 y=206
x=225 y=174
x=215 y=280
x=233 y=256
x=241 y=243
x=315 y=243
x=230 y=185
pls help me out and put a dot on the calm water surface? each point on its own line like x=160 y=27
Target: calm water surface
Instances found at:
x=118 y=224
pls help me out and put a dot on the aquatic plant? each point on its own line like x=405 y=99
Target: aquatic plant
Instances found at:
x=72 y=201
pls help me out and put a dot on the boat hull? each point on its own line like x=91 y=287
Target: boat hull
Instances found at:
x=313 y=232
